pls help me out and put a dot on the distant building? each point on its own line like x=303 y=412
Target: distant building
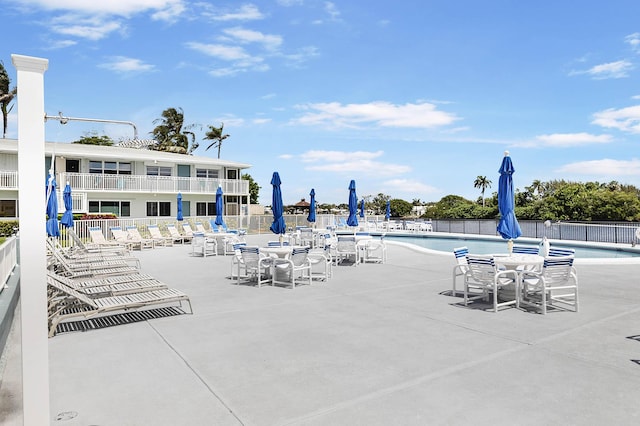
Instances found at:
x=130 y=182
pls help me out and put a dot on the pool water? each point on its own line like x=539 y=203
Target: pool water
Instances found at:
x=487 y=246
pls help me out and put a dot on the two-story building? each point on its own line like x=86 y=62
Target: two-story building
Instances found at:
x=130 y=182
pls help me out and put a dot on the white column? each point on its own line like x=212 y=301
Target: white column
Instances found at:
x=33 y=284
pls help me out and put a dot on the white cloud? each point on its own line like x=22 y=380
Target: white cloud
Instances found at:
x=122 y=64
x=220 y=51
x=383 y=114
x=605 y=167
x=618 y=69
x=242 y=35
x=91 y=28
x=408 y=186
x=634 y=41
x=163 y=9
x=246 y=12
x=287 y=3
x=624 y=119
x=344 y=162
x=332 y=10
x=261 y=120
x=60 y=44
x=571 y=139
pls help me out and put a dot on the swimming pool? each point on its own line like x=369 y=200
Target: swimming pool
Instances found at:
x=487 y=245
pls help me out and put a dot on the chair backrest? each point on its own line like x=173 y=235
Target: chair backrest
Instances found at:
x=95 y=232
x=556 y=252
x=277 y=243
x=481 y=267
x=200 y=227
x=346 y=244
x=118 y=233
x=133 y=231
x=187 y=229
x=557 y=269
x=173 y=231
x=250 y=255
x=154 y=231
x=525 y=249
x=212 y=224
x=299 y=255
x=461 y=255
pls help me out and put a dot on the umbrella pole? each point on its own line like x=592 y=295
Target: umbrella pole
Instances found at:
x=510 y=246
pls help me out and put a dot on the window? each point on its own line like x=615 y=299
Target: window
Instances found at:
x=158 y=208
x=158 y=171
x=207 y=173
x=8 y=208
x=119 y=208
x=205 y=209
x=109 y=167
x=232 y=174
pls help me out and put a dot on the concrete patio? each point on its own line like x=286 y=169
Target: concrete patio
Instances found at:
x=375 y=345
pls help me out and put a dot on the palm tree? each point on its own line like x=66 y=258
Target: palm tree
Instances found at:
x=6 y=96
x=483 y=183
x=215 y=134
x=172 y=134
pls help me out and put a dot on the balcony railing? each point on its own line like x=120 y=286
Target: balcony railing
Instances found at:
x=8 y=180
x=153 y=184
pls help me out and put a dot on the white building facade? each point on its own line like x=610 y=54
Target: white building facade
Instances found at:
x=130 y=182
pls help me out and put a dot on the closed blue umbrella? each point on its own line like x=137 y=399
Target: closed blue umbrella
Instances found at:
x=387 y=213
x=508 y=226
x=312 y=207
x=179 y=214
x=278 y=226
x=52 y=207
x=219 y=207
x=67 y=217
x=352 y=220
x=362 y=208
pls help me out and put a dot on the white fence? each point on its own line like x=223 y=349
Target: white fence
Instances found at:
x=8 y=260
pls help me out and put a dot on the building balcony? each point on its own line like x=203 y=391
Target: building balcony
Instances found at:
x=91 y=182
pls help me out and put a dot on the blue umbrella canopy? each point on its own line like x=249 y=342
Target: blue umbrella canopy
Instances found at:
x=312 y=207
x=179 y=214
x=352 y=220
x=278 y=226
x=67 y=217
x=387 y=213
x=219 y=207
x=508 y=226
x=362 y=208
x=52 y=207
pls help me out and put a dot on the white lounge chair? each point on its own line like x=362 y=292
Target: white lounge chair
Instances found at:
x=176 y=235
x=158 y=238
x=134 y=236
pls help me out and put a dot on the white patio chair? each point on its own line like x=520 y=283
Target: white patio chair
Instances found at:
x=375 y=251
x=203 y=246
x=257 y=267
x=286 y=270
x=321 y=263
x=461 y=266
x=525 y=249
x=555 y=283
x=346 y=248
x=237 y=263
x=482 y=275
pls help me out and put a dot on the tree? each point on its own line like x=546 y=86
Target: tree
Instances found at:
x=172 y=134
x=379 y=203
x=254 y=189
x=95 y=140
x=215 y=134
x=400 y=208
x=483 y=183
x=6 y=96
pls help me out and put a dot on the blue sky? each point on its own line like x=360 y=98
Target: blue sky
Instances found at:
x=413 y=99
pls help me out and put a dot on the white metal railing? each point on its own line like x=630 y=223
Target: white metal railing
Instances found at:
x=78 y=201
x=158 y=184
x=8 y=180
x=8 y=260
